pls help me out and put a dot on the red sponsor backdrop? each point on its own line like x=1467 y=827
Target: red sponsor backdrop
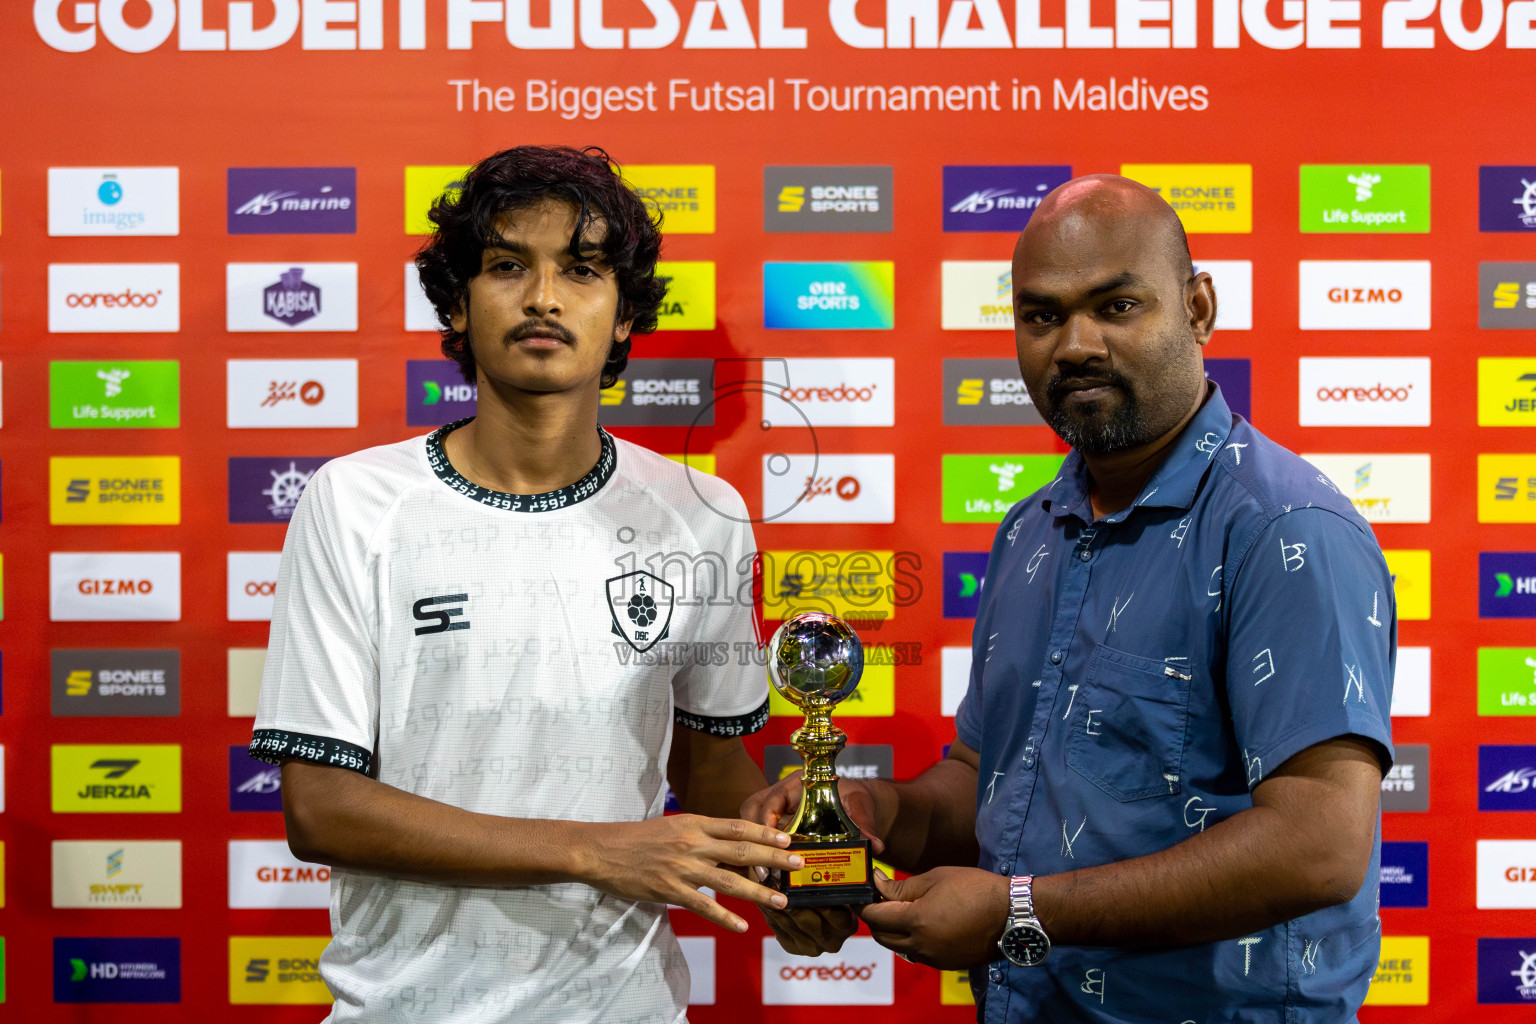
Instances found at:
x=379 y=110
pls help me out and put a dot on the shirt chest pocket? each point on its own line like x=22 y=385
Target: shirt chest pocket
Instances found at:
x=1128 y=724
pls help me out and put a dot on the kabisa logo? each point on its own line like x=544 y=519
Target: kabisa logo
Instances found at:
x=1506 y=584
x=113 y=201
x=116 y=682
x=1507 y=295
x=1001 y=198
x=829 y=296
x=292 y=300
x=113 y=970
x=114 y=778
x=964 y=573
x=436 y=393
x=292 y=200
x=1506 y=198
x=827 y=199
x=1506 y=971
x=266 y=297
x=253 y=785
x=1506 y=778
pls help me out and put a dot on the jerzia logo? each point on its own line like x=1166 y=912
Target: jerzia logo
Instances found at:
x=641 y=605
x=435 y=610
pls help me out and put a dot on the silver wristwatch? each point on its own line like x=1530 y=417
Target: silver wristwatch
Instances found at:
x=1024 y=942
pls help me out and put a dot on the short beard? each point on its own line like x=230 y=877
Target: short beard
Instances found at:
x=1091 y=428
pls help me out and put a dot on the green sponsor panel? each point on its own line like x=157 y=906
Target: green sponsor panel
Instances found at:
x=2 y=969
x=1506 y=680
x=982 y=488
x=1371 y=199
x=116 y=393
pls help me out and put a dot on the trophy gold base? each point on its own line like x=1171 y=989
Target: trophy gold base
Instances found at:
x=836 y=873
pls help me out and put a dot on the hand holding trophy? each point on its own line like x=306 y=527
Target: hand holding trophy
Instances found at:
x=814 y=662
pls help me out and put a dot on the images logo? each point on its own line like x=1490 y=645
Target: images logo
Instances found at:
x=253 y=785
x=860 y=974
x=690 y=301
x=114 y=298
x=1506 y=295
x=964 y=572
x=1384 y=488
x=1352 y=392
x=660 y=392
x=1506 y=585
x=267 y=489
x=280 y=970
x=1506 y=198
x=1404 y=874
x=1506 y=970
x=1364 y=295
x=130 y=393
x=252 y=584
x=423 y=185
x=1506 y=874
x=282 y=297
x=1000 y=198
x=292 y=200
x=292 y=392
x=116 y=682
x=110 y=586
x=829 y=488
x=135 y=970
x=1209 y=198
x=1506 y=680
x=116 y=875
x=827 y=199
x=982 y=488
x=977 y=295
x=684 y=194
x=113 y=201
x=833 y=393
x=95 y=491
x=436 y=393
x=1402 y=975
x=986 y=392
x=263 y=873
x=105 y=779
x=1506 y=778
x=1376 y=199
x=829 y=296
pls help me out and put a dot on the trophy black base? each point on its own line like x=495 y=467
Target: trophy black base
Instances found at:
x=839 y=873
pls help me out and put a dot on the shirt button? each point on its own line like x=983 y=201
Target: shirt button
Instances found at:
x=996 y=976
x=1055 y=657
x=1005 y=867
x=1086 y=556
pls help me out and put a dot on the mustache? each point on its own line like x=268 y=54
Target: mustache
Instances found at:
x=534 y=326
x=1074 y=378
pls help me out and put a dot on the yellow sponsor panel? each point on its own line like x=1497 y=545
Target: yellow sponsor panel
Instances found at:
x=109 y=778
x=1209 y=198
x=1402 y=974
x=1506 y=488
x=98 y=491
x=245 y=665
x=875 y=696
x=1506 y=392
x=702 y=463
x=955 y=988
x=1410 y=570
x=277 y=969
x=855 y=585
x=422 y=187
x=684 y=195
x=690 y=301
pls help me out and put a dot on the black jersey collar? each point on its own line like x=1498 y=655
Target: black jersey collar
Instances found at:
x=581 y=490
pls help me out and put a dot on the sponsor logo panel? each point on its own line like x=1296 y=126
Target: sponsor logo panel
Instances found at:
x=420 y=314
x=997 y=198
x=1406 y=786
x=955 y=678
x=115 y=682
x=829 y=488
x=1364 y=295
x=292 y=200
x=129 y=970
x=291 y=392
x=1353 y=392
x=422 y=187
x=982 y=488
x=1506 y=392
x=263 y=873
x=1374 y=199
x=114 y=201
x=114 y=298
x=139 y=491
x=829 y=296
x=1383 y=488
x=964 y=573
x=660 y=392
x=857 y=761
x=702 y=463
x=129 y=393
x=276 y=970
x=1506 y=874
x=1410 y=683
x=684 y=194
x=1506 y=585
x=875 y=696
x=981 y=392
x=244 y=668
x=1402 y=974
x=1505 y=777
x=827 y=199
x=252 y=585
x=1506 y=295
x=859 y=974
x=116 y=875
x=1233 y=281
x=1506 y=970
x=1209 y=198
x=109 y=778
x=1506 y=198
x=283 y=297
x=1506 y=680
x=1411 y=582
x=111 y=586
x=955 y=989
x=253 y=785
x=699 y=952
x=266 y=489
x=1404 y=874
x=833 y=393
x=1506 y=488
x=977 y=295
x=437 y=393
x=1235 y=378
x=856 y=585
x=690 y=301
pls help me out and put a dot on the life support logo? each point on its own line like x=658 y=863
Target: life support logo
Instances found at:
x=861 y=975
x=252 y=585
x=114 y=298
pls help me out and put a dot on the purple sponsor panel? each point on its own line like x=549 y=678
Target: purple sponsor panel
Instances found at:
x=1506 y=585
x=265 y=489
x=436 y=393
x=1506 y=970
x=253 y=785
x=103 y=970
x=1404 y=874
x=964 y=572
x=1235 y=378
x=1506 y=199
x=996 y=198
x=1506 y=778
x=292 y=200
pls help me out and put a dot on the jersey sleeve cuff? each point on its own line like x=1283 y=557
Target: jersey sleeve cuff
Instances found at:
x=274 y=746
x=738 y=725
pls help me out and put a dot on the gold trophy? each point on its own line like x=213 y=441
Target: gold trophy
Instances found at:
x=814 y=662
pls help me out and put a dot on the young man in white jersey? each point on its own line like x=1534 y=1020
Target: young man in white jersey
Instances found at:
x=493 y=647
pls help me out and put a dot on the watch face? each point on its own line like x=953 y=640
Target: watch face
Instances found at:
x=1025 y=944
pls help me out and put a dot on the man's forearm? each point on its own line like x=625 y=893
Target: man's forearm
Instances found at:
x=929 y=821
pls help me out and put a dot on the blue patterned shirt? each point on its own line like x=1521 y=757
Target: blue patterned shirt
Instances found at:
x=1133 y=678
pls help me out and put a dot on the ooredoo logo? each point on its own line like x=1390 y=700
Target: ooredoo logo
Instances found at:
x=252 y=585
x=838 y=973
x=861 y=975
x=1375 y=393
x=127 y=299
x=114 y=586
x=1352 y=392
x=1368 y=295
x=835 y=393
x=114 y=297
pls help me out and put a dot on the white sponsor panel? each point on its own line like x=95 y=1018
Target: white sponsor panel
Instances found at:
x=244 y=665
x=420 y=314
x=1384 y=488
x=292 y=392
x=1506 y=874
x=263 y=873
x=955 y=678
x=1355 y=392
x=2 y=778
x=859 y=974
x=284 y=297
x=116 y=875
x=1364 y=295
x=114 y=298
x=1233 y=281
x=252 y=582
x=114 y=201
x=114 y=586
x=829 y=489
x=1410 y=683
x=977 y=295
x=834 y=393
x=699 y=951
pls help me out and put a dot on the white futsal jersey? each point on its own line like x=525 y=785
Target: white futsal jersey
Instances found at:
x=517 y=655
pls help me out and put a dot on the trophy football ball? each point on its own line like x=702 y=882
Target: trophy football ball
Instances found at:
x=815 y=658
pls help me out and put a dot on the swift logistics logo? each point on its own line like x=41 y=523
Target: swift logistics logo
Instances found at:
x=684 y=194
x=284 y=297
x=1506 y=778
x=114 y=586
x=1506 y=199
x=291 y=392
x=291 y=200
x=1506 y=295
x=125 y=393
x=114 y=298
x=827 y=199
x=263 y=873
x=126 y=970
x=436 y=393
x=1506 y=970
x=1506 y=392
x=1402 y=973
x=1506 y=874
x=1506 y=585
x=964 y=573
x=129 y=490
x=833 y=393
x=1406 y=785
x=1364 y=295
x=660 y=392
x=842 y=488
x=829 y=296
x=253 y=785
x=1356 y=392
x=1404 y=874
x=690 y=301
x=1209 y=198
x=277 y=970
x=105 y=682
x=106 y=201
x=997 y=198
x=116 y=875
x=982 y=488
x=1506 y=488
x=1384 y=488
x=266 y=489
x=116 y=779
x=980 y=392
x=1506 y=680
x=243 y=667
x=977 y=295
x=1377 y=198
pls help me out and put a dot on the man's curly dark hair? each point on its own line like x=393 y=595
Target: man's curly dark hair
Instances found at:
x=525 y=176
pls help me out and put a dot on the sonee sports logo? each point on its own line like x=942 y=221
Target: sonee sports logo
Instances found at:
x=441 y=619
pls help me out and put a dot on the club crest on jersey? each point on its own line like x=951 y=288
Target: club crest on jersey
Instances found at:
x=641 y=604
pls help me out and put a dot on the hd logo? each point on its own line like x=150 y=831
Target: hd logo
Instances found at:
x=98 y=491
x=827 y=199
x=107 y=778
x=1506 y=295
x=276 y=970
